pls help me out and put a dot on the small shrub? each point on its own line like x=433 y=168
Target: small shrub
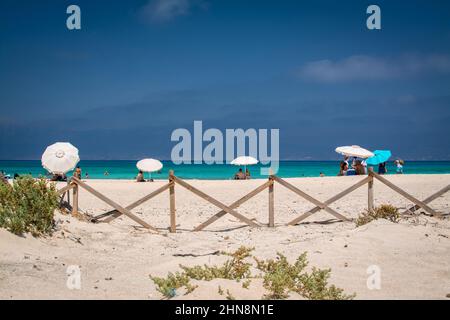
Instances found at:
x=314 y=286
x=28 y=206
x=246 y=283
x=167 y=286
x=233 y=269
x=281 y=277
x=385 y=211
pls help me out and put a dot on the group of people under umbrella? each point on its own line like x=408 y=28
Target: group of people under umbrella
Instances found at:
x=361 y=158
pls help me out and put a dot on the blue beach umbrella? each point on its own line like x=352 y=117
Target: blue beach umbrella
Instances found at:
x=380 y=156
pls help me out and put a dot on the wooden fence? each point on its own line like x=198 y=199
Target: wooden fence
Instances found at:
x=74 y=185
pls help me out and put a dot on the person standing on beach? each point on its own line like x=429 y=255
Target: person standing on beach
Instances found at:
x=399 y=164
x=77 y=173
x=382 y=168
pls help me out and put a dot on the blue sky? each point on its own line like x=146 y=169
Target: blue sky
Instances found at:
x=137 y=70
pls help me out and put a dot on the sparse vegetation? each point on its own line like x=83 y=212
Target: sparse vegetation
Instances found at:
x=314 y=286
x=28 y=206
x=385 y=211
x=220 y=291
x=168 y=286
x=233 y=269
x=246 y=283
x=280 y=278
x=230 y=296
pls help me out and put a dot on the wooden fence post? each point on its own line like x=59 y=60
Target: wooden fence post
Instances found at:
x=173 y=226
x=68 y=192
x=75 y=200
x=271 y=203
x=370 y=191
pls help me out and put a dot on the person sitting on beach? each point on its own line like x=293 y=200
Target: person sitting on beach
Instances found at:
x=321 y=175
x=239 y=175
x=364 y=164
x=382 y=168
x=359 y=168
x=59 y=177
x=343 y=168
x=140 y=177
x=247 y=174
x=346 y=160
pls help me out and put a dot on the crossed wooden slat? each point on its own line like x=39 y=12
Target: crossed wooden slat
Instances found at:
x=428 y=200
x=330 y=201
x=111 y=215
x=113 y=204
x=215 y=202
x=234 y=205
x=319 y=204
x=417 y=202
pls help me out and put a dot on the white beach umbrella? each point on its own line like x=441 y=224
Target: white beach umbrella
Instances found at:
x=60 y=158
x=149 y=165
x=244 y=161
x=354 y=151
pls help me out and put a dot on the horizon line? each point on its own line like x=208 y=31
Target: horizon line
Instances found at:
x=168 y=160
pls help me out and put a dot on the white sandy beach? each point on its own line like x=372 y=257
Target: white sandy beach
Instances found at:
x=116 y=259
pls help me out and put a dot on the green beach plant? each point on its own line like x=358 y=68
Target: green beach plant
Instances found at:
x=234 y=269
x=279 y=277
x=28 y=206
x=384 y=211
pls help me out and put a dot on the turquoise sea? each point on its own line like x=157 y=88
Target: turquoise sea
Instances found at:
x=126 y=169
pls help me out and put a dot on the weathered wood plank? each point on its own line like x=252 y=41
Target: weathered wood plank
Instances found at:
x=66 y=188
x=173 y=223
x=75 y=200
x=370 y=202
x=271 y=204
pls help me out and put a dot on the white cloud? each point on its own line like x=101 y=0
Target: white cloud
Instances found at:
x=166 y=10
x=363 y=67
